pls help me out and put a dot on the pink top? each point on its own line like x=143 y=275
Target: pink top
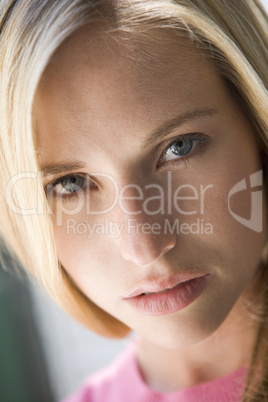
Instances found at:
x=121 y=381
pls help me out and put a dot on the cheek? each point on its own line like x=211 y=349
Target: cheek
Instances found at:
x=77 y=251
x=239 y=224
x=88 y=255
x=92 y=263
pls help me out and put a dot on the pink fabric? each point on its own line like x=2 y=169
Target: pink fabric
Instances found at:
x=121 y=382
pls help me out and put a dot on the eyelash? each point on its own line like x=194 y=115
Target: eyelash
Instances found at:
x=67 y=197
x=201 y=138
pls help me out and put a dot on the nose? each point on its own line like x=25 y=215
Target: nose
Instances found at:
x=143 y=248
x=144 y=238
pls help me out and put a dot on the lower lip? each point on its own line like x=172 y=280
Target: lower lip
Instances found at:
x=171 y=300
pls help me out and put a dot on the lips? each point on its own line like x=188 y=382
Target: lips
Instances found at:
x=158 y=299
x=162 y=284
x=151 y=293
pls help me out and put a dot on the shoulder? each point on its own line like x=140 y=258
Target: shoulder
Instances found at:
x=113 y=383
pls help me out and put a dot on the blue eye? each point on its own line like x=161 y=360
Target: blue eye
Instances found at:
x=69 y=185
x=183 y=146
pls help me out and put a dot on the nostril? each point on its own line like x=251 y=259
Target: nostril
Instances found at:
x=169 y=247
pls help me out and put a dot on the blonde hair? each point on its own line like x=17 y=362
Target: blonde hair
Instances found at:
x=231 y=33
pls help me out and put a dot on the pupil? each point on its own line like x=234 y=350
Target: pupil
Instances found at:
x=182 y=147
x=72 y=183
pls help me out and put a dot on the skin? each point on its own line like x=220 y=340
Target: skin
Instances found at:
x=98 y=103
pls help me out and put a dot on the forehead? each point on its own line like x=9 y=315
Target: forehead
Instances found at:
x=144 y=65
x=97 y=81
x=94 y=44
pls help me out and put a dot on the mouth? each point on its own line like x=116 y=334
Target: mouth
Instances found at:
x=160 y=291
x=158 y=285
x=167 y=299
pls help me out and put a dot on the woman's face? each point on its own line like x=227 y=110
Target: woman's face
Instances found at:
x=156 y=144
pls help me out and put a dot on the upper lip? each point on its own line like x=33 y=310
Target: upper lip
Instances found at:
x=160 y=284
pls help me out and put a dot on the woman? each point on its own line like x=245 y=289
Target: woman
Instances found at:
x=130 y=132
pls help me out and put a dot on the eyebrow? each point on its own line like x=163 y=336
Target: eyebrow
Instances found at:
x=53 y=168
x=178 y=121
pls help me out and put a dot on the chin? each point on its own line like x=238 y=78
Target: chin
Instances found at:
x=183 y=333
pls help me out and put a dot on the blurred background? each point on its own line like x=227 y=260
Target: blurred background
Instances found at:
x=265 y=3
x=44 y=354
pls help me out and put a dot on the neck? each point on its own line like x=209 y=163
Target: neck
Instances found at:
x=225 y=351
